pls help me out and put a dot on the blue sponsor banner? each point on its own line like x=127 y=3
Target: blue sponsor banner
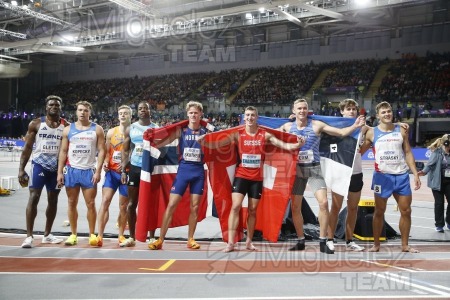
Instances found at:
x=419 y=154
x=8 y=142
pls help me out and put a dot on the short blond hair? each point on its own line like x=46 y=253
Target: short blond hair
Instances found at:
x=125 y=107
x=347 y=102
x=251 y=108
x=383 y=104
x=195 y=104
x=300 y=100
x=84 y=103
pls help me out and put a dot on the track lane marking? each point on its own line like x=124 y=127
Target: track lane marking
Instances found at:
x=163 y=267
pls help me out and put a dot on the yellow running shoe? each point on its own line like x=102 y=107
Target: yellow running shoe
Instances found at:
x=71 y=240
x=93 y=240
x=156 y=245
x=192 y=244
x=122 y=239
x=99 y=241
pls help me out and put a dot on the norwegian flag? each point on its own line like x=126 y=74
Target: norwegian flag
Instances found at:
x=279 y=168
x=159 y=169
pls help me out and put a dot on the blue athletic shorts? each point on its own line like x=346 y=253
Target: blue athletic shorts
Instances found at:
x=189 y=174
x=112 y=181
x=40 y=177
x=77 y=177
x=384 y=185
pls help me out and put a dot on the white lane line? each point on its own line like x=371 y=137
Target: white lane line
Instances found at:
x=408 y=281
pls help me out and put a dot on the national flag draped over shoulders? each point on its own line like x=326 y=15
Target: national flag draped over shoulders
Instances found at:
x=279 y=168
x=157 y=176
x=336 y=153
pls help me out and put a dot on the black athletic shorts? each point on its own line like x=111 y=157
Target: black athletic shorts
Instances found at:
x=250 y=187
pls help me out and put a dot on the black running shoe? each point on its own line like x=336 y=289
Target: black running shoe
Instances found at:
x=299 y=246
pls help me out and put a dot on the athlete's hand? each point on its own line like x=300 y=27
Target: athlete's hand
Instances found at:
x=417 y=182
x=60 y=179
x=105 y=166
x=301 y=141
x=96 y=177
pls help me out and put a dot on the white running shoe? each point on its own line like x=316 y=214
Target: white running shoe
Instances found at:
x=330 y=245
x=129 y=242
x=50 y=239
x=352 y=246
x=28 y=243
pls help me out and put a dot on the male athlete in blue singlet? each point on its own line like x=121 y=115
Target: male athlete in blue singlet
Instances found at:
x=190 y=172
x=46 y=134
x=134 y=142
x=78 y=168
x=393 y=161
x=308 y=170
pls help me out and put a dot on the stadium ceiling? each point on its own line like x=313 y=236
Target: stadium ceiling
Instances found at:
x=135 y=27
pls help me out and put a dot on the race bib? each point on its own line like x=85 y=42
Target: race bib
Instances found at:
x=447 y=173
x=251 y=160
x=117 y=157
x=192 y=154
x=305 y=157
x=389 y=157
x=138 y=149
x=82 y=150
x=50 y=147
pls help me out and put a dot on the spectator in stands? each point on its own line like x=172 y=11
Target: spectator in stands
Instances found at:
x=438 y=170
x=45 y=133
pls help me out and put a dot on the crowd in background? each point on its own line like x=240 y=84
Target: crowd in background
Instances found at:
x=419 y=83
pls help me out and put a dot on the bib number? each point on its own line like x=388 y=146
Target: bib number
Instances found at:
x=251 y=160
x=117 y=157
x=192 y=154
x=305 y=157
x=447 y=173
x=138 y=149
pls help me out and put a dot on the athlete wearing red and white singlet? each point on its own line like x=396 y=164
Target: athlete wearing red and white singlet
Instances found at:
x=251 y=154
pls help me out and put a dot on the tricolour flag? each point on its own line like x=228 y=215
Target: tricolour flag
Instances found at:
x=159 y=169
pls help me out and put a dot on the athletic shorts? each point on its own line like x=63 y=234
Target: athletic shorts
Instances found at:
x=77 y=177
x=189 y=174
x=311 y=175
x=245 y=186
x=356 y=183
x=112 y=181
x=40 y=177
x=384 y=185
x=134 y=176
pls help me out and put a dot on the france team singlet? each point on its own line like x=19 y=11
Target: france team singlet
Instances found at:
x=47 y=143
x=137 y=138
x=251 y=154
x=388 y=150
x=82 y=147
x=309 y=153
x=190 y=151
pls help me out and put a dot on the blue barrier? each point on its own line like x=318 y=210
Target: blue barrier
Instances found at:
x=9 y=142
x=419 y=154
